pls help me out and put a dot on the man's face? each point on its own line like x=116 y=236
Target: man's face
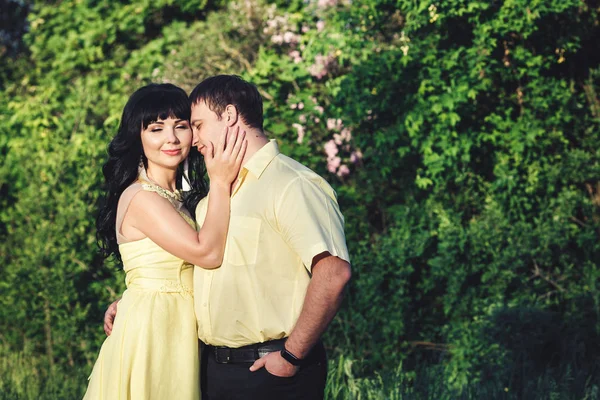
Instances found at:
x=206 y=126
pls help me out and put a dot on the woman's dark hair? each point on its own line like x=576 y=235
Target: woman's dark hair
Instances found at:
x=125 y=152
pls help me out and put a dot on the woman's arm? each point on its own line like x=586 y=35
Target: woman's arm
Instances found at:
x=156 y=218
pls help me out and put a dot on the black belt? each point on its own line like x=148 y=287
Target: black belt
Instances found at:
x=245 y=354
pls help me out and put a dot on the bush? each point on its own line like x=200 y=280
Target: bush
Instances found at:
x=461 y=138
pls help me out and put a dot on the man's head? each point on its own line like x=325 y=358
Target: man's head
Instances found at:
x=224 y=100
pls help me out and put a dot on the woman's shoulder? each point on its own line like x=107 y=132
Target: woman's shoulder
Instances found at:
x=129 y=193
x=141 y=194
x=150 y=199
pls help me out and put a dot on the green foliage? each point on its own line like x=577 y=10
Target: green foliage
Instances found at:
x=461 y=137
x=26 y=377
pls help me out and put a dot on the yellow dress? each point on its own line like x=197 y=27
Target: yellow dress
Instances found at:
x=152 y=352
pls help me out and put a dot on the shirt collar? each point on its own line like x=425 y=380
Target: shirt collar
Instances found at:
x=262 y=158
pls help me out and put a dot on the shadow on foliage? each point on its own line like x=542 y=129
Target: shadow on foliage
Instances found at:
x=542 y=347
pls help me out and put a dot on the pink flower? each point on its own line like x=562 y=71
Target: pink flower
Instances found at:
x=346 y=134
x=330 y=123
x=293 y=106
x=334 y=124
x=300 y=106
x=305 y=28
x=317 y=70
x=295 y=55
x=302 y=118
x=320 y=26
x=343 y=171
x=356 y=156
x=289 y=37
x=300 y=132
x=321 y=66
x=331 y=149
x=277 y=39
x=326 y=3
x=319 y=109
x=337 y=139
x=333 y=164
x=317 y=120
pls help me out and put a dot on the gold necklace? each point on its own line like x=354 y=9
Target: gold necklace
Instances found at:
x=176 y=195
x=166 y=193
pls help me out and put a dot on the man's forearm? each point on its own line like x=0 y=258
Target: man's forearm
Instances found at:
x=323 y=299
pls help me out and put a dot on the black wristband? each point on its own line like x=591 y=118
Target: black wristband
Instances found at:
x=292 y=359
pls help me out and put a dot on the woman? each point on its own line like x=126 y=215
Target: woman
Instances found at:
x=152 y=352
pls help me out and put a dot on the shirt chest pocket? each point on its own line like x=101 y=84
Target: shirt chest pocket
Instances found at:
x=242 y=241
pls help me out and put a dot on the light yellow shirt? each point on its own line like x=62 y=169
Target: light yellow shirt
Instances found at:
x=282 y=215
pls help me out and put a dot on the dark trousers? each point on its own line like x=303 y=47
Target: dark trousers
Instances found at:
x=236 y=381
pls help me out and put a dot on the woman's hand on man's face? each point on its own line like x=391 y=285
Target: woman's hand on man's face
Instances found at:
x=223 y=161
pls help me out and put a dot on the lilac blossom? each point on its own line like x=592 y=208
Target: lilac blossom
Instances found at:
x=333 y=164
x=331 y=149
x=356 y=156
x=343 y=170
x=346 y=134
x=295 y=55
x=321 y=66
x=337 y=138
x=300 y=131
x=290 y=37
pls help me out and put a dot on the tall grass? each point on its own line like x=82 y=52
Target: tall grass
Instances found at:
x=27 y=377
x=430 y=382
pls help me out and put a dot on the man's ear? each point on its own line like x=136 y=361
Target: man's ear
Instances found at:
x=231 y=115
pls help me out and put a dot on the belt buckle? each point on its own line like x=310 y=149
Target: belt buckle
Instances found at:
x=256 y=353
x=223 y=355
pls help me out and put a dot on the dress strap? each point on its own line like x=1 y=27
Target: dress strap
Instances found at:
x=122 y=208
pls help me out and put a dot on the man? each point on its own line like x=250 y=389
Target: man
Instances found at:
x=262 y=313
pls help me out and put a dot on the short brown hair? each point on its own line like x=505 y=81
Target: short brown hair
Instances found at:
x=221 y=90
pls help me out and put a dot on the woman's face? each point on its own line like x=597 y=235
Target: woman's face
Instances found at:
x=167 y=142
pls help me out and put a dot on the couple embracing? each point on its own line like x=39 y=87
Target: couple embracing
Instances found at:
x=229 y=289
